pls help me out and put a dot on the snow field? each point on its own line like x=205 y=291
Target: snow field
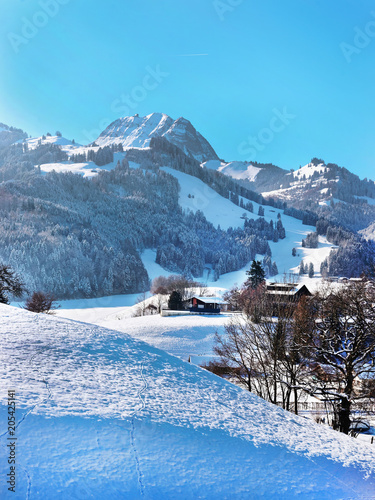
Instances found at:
x=235 y=169
x=113 y=416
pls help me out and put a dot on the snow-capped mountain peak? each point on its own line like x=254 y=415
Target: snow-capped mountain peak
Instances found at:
x=136 y=131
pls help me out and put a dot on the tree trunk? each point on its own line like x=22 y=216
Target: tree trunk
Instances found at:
x=345 y=404
x=296 y=401
x=344 y=416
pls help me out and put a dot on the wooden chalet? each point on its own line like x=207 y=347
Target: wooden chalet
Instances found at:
x=287 y=292
x=206 y=305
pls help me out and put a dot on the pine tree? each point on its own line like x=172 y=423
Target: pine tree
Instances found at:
x=175 y=301
x=256 y=275
x=302 y=268
x=311 y=270
x=274 y=269
x=10 y=284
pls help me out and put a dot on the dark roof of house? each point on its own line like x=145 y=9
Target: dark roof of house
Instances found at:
x=287 y=289
x=209 y=300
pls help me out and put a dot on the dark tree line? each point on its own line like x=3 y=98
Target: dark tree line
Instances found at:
x=354 y=255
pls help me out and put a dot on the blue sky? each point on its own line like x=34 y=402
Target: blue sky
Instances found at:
x=266 y=80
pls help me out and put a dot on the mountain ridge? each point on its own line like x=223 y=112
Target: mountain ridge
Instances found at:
x=136 y=131
x=130 y=210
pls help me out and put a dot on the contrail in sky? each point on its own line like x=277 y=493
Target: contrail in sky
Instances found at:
x=191 y=55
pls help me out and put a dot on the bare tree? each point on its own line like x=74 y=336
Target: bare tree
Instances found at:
x=160 y=285
x=323 y=346
x=233 y=297
x=176 y=283
x=265 y=355
x=160 y=300
x=342 y=345
x=141 y=308
x=41 y=302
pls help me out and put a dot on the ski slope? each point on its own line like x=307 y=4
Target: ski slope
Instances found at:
x=221 y=211
x=101 y=415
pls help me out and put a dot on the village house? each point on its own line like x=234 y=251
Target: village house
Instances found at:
x=288 y=292
x=206 y=305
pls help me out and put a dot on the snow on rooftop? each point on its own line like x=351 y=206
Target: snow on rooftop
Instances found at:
x=101 y=415
x=211 y=300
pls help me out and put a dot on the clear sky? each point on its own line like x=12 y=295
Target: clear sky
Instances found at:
x=265 y=80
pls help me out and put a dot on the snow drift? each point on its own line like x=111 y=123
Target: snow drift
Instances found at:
x=101 y=415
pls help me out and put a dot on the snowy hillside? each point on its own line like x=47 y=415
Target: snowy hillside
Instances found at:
x=86 y=169
x=195 y=195
x=308 y=171
x=8 y=135
x=145 y=148
x=223 y=212
x=309 y=177
x=66 y=144
x=316 y=187
x=237 y=169
x=136 y=131
x=100 y=415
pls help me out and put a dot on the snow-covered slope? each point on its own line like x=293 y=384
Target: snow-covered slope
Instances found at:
x=8 y=135
x=237 y=169
x=136 y=131
x=196 y=195
x=100 y=415
x=297 y=181
x=86 y=169
x=308 y=171
x=66 y=144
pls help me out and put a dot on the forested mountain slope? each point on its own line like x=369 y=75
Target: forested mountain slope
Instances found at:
x=82 y=235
